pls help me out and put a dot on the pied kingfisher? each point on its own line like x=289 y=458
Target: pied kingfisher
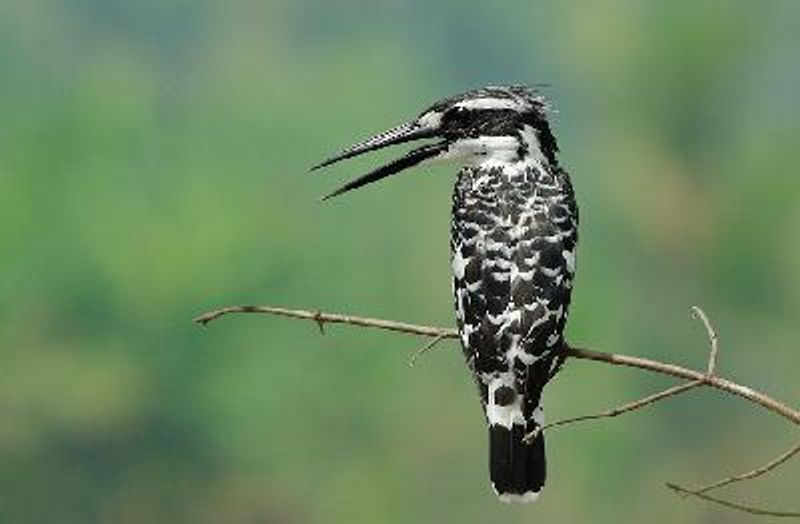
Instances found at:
x=513 y=239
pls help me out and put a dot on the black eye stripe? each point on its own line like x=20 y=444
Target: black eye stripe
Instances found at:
x=482 y=122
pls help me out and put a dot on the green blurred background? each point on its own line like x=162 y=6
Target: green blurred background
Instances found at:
x=153 y=164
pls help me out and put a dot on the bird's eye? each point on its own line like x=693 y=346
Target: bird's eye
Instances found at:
x=458 y=113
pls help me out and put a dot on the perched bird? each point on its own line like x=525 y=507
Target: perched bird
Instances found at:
x=513 y=239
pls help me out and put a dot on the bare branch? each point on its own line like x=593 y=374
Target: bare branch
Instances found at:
x=695 y=379
x=733 y=505
x=427 y=347
x=698 y=313
x=625 y=408
x=330 y=318
x=769 y=466
x=716 y=382
x=577 y=353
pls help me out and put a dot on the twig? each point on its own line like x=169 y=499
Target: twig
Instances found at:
x=761 y=470
x=733 y=505
x=716 y=382
x=424 y=349
x=329 y=318
x=319 y=321
x=698 y=313
x=625 y=408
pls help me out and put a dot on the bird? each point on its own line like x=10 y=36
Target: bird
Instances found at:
x=513 y=239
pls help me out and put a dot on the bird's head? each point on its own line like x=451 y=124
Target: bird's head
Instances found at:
x=490 y=125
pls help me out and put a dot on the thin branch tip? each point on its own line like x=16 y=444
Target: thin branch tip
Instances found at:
x=753 y=510
x=424 y=349
x=202 y=320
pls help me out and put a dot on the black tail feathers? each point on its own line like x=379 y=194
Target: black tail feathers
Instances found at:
x=517 y=468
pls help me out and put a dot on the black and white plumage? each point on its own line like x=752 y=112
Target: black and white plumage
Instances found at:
x=513 y=240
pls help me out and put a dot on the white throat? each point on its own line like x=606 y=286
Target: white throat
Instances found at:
x=491 y=151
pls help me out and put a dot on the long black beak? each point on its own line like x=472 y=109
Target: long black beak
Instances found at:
x=397 y=135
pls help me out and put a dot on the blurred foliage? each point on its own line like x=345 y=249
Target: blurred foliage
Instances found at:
x=153 y=160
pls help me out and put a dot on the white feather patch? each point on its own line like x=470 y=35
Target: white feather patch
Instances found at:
x=501 y=150
x=569 y=258
x=493 y=103
x=430 y=120
x=505 y=416
x=534 y=149
x=523 y=498
x=459 y=264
